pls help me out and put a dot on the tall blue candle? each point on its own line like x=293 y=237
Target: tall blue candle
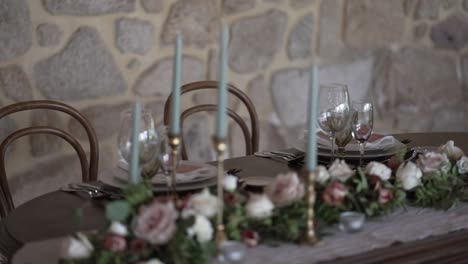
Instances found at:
x=176 y=72
x=135 y=149
x=311 y=161
x=222 y=88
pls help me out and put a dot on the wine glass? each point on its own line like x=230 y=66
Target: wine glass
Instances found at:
x=165 y=157
x=148 y=141
x=333 y=110
x=362 y=124
x=343 y=137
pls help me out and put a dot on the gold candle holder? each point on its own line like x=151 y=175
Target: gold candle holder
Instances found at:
x=220 y=146
x=174 y=142
x=311 y=237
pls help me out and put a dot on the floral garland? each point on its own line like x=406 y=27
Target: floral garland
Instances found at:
x=145 y=229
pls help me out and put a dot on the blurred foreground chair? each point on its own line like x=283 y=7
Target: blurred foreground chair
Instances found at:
x=89 y=170
x=251 y=138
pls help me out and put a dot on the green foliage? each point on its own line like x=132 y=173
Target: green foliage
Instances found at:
x=118 y=210
x=183 y=249
x=286 y=224
x=138 y=194
x=440 y=191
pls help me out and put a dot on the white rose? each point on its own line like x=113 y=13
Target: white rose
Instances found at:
x=202 y=229
x=322 y=174
x=409 y=174
x=259 y=206
x=76 y=248
x=462 y=165
x=339 y=170
x=117 y=228
x=379 y=169
x=204 y=203
x=452 y=151
x=230 y=183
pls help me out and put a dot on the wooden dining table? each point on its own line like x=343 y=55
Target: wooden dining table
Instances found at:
x=59 y=214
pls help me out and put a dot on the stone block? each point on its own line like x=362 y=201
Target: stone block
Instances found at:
x=255 y=41
x=84 y=69
x=41 y=144
x=374 y=23
x=259 y=93
x=236 y=6
x=416 y=78
x=196 y=20
x=157 y=79
x=105 y=119
x=300 y=4
x=48 y=34
x=419 y=31
x=451 y=33
x=152 y=6
x=197 y=132
x=427 y=9
x=15 y=84
x=300 y=42
x=134 y=35
x=15 y=29
x=88 y=7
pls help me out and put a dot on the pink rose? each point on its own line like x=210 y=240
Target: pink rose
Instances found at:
x=334 y=194
x=432 y=162
x=385 y=196
x=250 y=238
x=285 y=190
x=114 y=243
x=156 y=222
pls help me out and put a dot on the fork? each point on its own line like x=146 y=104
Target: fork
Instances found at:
x=91 y=194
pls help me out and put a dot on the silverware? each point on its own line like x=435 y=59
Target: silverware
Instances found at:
x=278 y=155
x=91 y=194
x=112 y=192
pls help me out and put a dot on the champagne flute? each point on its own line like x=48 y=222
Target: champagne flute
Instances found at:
x=363 y=123
x=333 y=110
x=166 y=159
x=148 y=140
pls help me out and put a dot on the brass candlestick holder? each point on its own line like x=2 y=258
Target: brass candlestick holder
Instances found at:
x=311 y=238
x=220 y=146
x=174 y=142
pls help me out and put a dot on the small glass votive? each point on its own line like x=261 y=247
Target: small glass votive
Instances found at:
x=232 y=252
x=351 y=221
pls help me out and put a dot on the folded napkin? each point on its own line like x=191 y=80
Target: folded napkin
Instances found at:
x=375 y=142
x=188 y=171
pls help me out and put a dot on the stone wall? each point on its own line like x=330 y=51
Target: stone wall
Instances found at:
x=97 y=55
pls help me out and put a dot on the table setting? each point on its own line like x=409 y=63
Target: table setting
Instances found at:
x=342 y=191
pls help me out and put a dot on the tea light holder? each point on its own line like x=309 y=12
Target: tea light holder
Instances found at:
x=220 y=147
x=174 y=142
x=352 y=222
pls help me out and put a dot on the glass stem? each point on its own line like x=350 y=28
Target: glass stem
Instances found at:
x=361 y=152
x=341 y=152
x=332 y=139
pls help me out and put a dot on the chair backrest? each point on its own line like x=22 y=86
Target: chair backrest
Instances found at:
x=89 y=170
x=251 y=139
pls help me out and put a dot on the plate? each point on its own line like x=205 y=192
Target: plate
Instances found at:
x=367 y=154
x=118 y=177
x=188 y=172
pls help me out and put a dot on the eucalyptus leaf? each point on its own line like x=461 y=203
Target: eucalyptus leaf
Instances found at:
x=118 y=210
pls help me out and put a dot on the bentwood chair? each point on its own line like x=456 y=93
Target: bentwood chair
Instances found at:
x=251 y=138
x=89 y=169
